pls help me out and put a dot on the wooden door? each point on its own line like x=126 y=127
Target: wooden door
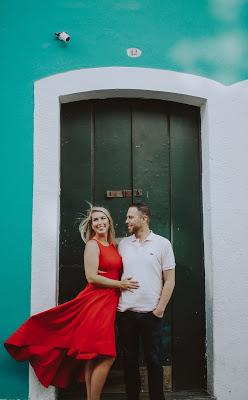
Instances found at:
x=153 y=146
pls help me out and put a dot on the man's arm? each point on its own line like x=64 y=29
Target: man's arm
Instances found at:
x=169 y=283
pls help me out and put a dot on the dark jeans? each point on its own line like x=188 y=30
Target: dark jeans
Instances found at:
x=133 y=327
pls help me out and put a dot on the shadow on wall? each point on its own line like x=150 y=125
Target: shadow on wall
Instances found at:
x=225 y=53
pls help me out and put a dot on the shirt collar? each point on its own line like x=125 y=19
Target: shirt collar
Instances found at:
x=148 y=238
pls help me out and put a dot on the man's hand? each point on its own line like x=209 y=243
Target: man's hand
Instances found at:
x=158 y=312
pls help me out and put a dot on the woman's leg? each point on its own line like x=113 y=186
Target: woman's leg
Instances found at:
x=98 y=376
x=89 y=366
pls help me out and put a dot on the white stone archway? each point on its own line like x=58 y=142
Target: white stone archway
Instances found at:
x=224 y=124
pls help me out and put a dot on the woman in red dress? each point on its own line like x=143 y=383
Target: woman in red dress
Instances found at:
x=75 y=341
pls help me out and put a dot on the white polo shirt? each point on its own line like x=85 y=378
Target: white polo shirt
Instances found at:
x=145 y=262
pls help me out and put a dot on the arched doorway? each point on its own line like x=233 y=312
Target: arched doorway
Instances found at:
x=151 y=149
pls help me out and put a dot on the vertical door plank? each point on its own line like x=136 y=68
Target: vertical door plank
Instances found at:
x=151 y=173
x=75 y=189
x=151 y=161
x=75 y=167
x=188 y=305
x=112 y=171
x=113 y=157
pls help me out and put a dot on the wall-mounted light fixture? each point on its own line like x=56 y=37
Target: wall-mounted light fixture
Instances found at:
x=64 y=36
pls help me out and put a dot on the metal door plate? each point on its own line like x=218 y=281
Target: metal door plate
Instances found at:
x=110 y=194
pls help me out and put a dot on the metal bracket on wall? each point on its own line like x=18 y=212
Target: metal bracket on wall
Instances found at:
x=123 y=193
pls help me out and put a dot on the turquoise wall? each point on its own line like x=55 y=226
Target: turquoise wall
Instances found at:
x=207 y=38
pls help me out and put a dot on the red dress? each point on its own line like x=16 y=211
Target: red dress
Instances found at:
x=57 y=341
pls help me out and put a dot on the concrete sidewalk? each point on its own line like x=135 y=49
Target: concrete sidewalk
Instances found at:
x=182 y=395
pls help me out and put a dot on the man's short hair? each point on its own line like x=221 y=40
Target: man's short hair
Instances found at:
x=143 y=208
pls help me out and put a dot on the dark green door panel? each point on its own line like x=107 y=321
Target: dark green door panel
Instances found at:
x=151 y=173
x=188 y=305
x=76 y=187
x=112 y=170
x=151 y=161
x=124 y=144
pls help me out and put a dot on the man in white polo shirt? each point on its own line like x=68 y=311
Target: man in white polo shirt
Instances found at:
x=148 y=258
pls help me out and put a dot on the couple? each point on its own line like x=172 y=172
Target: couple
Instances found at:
x=75 y=341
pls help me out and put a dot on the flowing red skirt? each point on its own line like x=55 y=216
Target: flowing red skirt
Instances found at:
x=57 y=342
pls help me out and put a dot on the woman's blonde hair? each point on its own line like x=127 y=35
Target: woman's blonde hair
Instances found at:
x=85 y=226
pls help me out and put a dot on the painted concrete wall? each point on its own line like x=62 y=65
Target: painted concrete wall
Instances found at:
x=207 y=38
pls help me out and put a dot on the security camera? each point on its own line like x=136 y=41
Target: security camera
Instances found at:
x=63 y=36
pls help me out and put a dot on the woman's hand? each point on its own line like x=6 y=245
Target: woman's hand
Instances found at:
x=129 y=284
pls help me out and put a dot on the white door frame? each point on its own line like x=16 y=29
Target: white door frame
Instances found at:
x=214 y=101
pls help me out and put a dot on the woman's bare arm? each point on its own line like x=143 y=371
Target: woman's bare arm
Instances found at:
x=91 y=264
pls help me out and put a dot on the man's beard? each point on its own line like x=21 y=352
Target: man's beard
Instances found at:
x=134 y=230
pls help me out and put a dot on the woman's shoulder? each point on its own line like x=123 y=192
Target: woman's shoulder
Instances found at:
x=92 y=244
